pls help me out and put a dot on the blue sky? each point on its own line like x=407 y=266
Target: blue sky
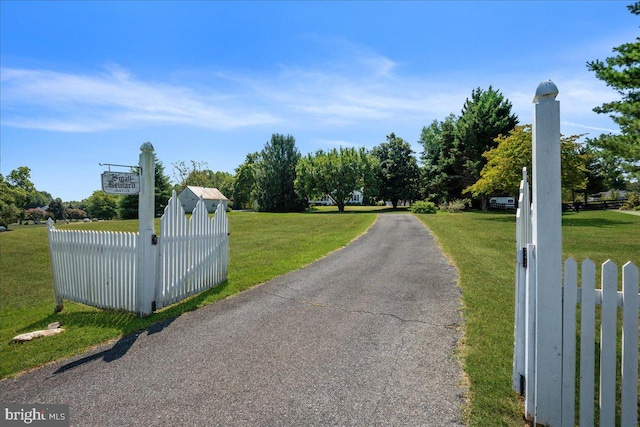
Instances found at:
x=84 y=83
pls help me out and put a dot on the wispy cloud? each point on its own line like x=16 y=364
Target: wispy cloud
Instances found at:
x=51 y=100
x=353 y=86
x=599 y=129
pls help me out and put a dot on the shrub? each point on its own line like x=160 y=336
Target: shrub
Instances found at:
x=455 y=206
x=423 y=206
x=632 y=203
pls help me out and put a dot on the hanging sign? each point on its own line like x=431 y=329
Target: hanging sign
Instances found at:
x=120 y=183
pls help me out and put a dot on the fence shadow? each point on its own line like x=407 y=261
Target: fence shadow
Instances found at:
x=119 y=349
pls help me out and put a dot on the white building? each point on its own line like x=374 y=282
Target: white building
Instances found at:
x=356 y=198
x=212 y=198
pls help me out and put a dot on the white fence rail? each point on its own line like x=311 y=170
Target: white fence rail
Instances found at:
x=94 y=268
x=193 y=254
x=103 y=269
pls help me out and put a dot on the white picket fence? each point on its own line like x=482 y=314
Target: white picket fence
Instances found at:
x=587 y=299
x=104 y=269
x=94 y=268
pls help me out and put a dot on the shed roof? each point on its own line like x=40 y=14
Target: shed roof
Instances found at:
x=207 y=193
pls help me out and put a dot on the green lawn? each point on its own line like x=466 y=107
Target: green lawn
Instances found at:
x=482 y=246
x=261 y=247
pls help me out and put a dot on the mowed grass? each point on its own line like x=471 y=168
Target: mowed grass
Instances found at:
x=262 y=246
x=482 y=246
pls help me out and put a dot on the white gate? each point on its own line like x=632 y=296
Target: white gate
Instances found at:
x=192 y=254
x=142 y=271
x=547 y=300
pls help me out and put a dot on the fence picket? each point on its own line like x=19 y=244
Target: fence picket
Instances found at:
x=608 y=343
x=530 y=333
x=570 y=296
x=629 y=346
x=587 y=343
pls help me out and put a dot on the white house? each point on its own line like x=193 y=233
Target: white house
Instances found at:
x=212 y=198
x=356 y=198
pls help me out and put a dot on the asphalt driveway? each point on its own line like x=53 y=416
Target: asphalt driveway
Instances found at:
x=364 y=337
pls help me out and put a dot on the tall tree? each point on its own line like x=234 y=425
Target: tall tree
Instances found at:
x=485 y=116
x=622 y=73
x=10 y=198
x=397 y=171
x=20 y=187
x=438 y=173
x=336 y=173
x=276 y=174
x=244 y=182
x=603 y=170
x=56 y=208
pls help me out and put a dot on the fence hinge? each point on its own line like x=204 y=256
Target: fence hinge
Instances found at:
x=524 y=257
x=154 y=239
x=522 y=385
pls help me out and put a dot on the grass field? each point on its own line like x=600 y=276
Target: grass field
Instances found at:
x=261 y=247
x=482 y=245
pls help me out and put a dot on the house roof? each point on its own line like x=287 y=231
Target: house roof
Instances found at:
x=207 y=193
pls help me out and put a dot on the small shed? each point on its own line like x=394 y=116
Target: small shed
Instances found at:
x=212 y=198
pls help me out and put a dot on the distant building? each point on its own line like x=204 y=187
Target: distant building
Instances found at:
x=355 y=198
x=212 y=198
x=502 y=202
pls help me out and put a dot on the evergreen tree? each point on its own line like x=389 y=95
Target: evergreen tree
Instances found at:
x=276 y=174
x=56 y=208
x=622 y=73
x=438 y=174
x=244 y=183
x=484 y=117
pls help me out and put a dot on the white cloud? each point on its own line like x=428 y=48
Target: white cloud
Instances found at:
x=67 y=102
x=351 y=87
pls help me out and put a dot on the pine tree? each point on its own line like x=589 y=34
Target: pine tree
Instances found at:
x=484 y=117
x=622 y=73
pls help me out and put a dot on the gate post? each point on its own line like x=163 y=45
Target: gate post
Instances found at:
x=547 y=238
x=147 y=235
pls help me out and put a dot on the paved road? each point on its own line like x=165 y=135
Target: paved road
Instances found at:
x=364 y=337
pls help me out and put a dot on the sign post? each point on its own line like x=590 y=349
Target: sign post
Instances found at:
x=147 y=234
